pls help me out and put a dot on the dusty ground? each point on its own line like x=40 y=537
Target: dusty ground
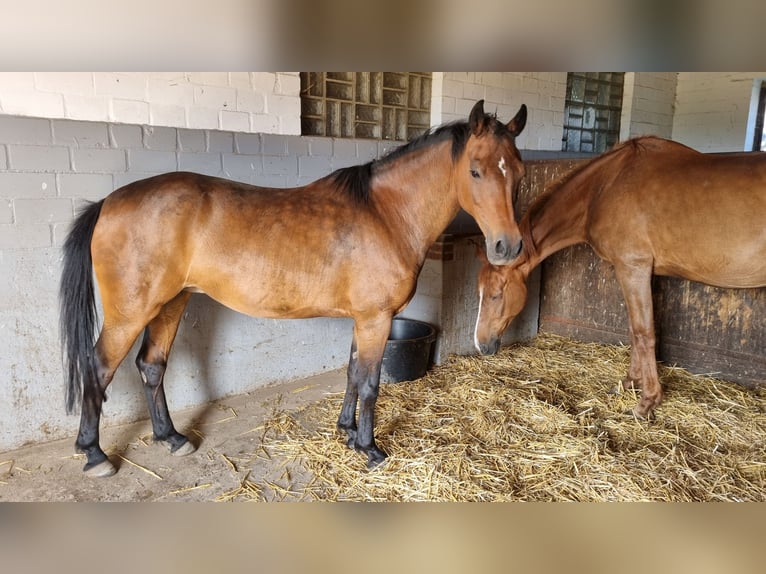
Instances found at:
x=228 y=436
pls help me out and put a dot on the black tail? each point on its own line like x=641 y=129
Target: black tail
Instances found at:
x=77 y=321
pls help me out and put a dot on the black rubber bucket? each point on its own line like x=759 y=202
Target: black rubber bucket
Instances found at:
x=408 y=351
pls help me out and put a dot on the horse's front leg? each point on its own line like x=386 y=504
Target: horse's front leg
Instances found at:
x=347 y=418
x=636 y=283
x=364 y=373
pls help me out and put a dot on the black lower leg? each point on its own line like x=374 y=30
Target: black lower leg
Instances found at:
x=365 y=437
x=347 y=418
x=88 y=437
x=152 y=375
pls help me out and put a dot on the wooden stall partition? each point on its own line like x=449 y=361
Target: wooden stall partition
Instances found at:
x=712 y=330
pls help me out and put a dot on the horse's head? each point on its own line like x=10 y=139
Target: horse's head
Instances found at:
x=487 y=178
x=502 y=296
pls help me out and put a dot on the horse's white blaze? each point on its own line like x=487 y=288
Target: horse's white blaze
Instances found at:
x=501 y=165
x=478 y=318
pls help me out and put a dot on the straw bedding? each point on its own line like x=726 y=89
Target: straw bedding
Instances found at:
x=537 y=422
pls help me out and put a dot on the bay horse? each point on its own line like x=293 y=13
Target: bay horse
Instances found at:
x=350 y=244
x=648 y=206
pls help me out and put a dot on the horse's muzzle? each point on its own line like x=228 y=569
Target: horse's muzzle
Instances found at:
x=489 y=348
x=502 y=251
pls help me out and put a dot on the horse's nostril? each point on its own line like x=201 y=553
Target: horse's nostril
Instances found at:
x=500 y=247
x=491 y=347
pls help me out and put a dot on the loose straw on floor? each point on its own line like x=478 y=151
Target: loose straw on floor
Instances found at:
x=535 y=422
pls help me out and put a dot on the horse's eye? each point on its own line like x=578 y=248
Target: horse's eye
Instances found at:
x=475 y=173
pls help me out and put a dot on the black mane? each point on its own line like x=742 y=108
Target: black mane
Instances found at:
x=356 y=180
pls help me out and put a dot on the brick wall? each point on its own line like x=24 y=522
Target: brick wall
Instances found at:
x=504 y=92
x=713 y=109
x=267 y=102
x=648 y=104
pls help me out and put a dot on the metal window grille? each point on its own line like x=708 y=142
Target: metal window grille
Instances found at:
x=592 y=111
x=374 y=105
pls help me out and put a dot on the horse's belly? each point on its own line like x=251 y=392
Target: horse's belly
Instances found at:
x=737 y=275
x=735 y=258
x=276 y=304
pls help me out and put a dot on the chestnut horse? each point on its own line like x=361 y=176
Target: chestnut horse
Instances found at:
x=348 y=245
x=647 y=206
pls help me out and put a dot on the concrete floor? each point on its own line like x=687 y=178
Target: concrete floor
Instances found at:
x=227 y=434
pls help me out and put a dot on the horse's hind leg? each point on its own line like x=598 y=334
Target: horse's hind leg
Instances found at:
x=110 y=349
x=151 y=362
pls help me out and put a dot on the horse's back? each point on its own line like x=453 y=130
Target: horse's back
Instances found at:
x=271 y=252
x=697 y=216
x=156 y=208
x=716 y=195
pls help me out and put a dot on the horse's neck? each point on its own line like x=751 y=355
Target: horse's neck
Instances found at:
x=415 y=195
x=562 y=220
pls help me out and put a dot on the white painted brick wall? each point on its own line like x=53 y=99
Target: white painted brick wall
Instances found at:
x=648 y=104
x=712 y=109
x=6 y=211
x=503 y=93
x=32 y=102
x=267 y=102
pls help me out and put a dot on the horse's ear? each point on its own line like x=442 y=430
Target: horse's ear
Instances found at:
x=477 y=120
x=516 y=125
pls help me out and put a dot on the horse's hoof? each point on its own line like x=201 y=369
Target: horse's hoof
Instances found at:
x=101 y=470
x=615 y=390
x=186 y=448
x=637 y=414
x=375 y=457
x=350 y=435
